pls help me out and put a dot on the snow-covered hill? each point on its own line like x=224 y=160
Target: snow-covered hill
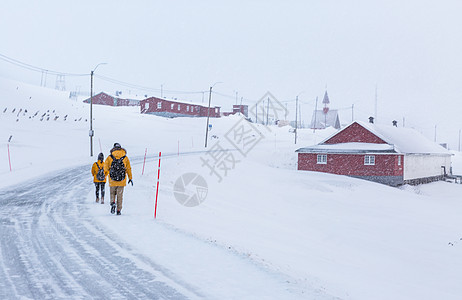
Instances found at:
x=264 y=229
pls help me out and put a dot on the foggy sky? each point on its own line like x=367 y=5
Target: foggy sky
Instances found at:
x=409 y=50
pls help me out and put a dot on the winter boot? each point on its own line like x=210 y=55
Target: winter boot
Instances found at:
x=119 y=213
x=113 y=207
x=102 y=200
x=97 y=199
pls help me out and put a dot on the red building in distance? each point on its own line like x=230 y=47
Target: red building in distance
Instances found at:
x=106 y=99
x=173 y=108
x=384 y=154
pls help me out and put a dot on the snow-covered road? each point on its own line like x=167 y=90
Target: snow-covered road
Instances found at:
x=51 y=249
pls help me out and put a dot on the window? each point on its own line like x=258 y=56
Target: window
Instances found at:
x=172 y=106
x=399 y=160
x=187 y=107
x=322 y=159
x=159 y=105
x=146 y=106
x=369 y=160
x=179 y=107
x=216 y=110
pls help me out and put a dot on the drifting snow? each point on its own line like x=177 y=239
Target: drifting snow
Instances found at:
x=265 y=230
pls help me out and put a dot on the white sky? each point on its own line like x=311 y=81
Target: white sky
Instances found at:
x=410 y=49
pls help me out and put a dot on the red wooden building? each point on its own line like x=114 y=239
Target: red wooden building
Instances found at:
x=106 y=99
x=242 y=109
x=385 y=154
x=172 y=109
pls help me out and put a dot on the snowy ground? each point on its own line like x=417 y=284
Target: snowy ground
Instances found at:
x=264 y=231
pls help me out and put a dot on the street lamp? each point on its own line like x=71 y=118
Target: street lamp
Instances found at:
x=296 y=113
x=91 y=133
x=208 y=113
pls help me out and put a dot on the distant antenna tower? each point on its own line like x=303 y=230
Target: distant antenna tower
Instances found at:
x=43 y=79
x=375 y=115
x=60 y=82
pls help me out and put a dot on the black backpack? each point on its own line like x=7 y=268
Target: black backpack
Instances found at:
x=117 y=171
x=100 y=175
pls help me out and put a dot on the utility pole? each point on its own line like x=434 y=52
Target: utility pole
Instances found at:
x=263 y=118
x=91 y=133
x=459 y=140
x=208 y=114
x=300 y=114
x=256 y=113
x=352 y=112
x=376 y=103
x=315 y=114
x=296 y=113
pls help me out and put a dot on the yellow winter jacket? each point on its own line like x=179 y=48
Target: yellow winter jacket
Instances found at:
x=118 y=153
x=95 y=169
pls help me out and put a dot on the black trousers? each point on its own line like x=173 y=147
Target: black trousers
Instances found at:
x=100 y=185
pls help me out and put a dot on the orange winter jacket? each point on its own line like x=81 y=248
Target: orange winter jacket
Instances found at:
x=95 y=169
x=118 y=153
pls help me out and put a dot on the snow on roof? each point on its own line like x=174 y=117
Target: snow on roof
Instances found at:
x=348 y=148
x=403 y=139
x=181 y=102
x=125 y=97
x=321 y=120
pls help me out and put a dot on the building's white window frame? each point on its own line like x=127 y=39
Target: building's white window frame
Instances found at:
x=322 y=159
x=146 y=105
x=399 y=160
x=172 y=106
x=216 y=110
x=369 y=160
x=179 y=107
x=187 y=108
x=159 y=105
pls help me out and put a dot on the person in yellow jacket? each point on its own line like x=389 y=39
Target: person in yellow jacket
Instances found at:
x=118 y=166
x=99 y=177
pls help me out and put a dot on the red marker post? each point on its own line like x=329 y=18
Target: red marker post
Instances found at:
x=9 y=160
x=144 y=162
x=157 y=189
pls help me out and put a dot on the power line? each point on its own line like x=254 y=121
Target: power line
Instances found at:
x=35 y=68
x=144 y=88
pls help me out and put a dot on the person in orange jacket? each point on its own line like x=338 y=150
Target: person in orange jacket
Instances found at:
x=118 y=166
x=99 y=177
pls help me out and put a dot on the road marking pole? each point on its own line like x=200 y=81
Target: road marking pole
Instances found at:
x=144 y=162
x=9 y=159
x=157 y=188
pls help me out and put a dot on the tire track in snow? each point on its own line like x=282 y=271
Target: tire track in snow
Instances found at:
x=51 y=250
